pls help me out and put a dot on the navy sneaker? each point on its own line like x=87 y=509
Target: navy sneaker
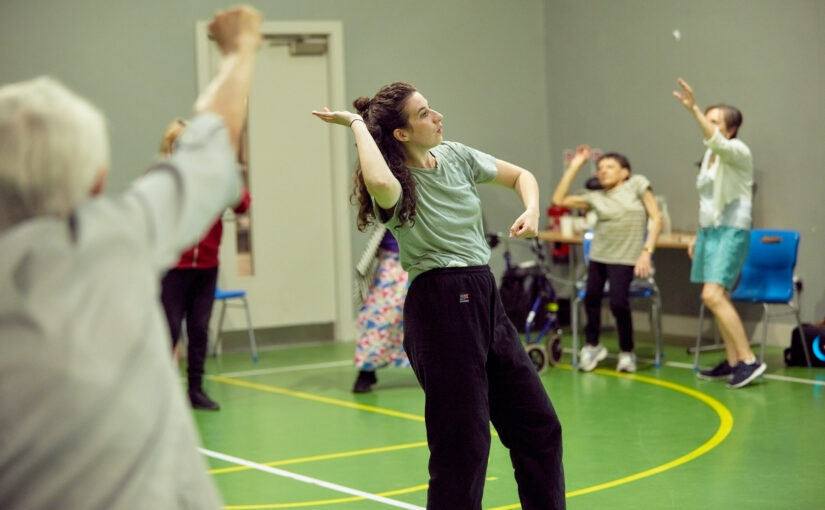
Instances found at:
x=744 y=373
x=721 y=371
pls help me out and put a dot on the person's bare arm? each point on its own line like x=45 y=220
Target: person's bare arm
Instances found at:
x=381 y=184
x=525 y=185
x=238 y=34
x=643 y=264
x=688 y=100
x=561 y=197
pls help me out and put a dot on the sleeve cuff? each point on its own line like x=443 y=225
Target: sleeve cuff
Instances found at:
x=715 y=140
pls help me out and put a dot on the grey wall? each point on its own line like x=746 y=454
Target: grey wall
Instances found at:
x=613 y=65
x=481 y=63
x=521 y=79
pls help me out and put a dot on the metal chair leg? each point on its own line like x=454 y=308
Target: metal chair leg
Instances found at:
x=802 y=338
x=715 y=346
x=697 y=350
x=218 y=348
x=252 y=345
x=764 y=332
x=656 y=326
x=574 y=315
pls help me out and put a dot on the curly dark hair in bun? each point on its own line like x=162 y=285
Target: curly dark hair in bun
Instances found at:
x=383 y=114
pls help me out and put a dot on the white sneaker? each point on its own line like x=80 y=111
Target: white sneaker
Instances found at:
x=590 y=355
x=627 y=362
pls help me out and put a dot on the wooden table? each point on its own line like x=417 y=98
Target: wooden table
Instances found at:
x=676 y=240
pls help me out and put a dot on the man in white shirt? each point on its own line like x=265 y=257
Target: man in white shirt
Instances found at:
x=92 y=415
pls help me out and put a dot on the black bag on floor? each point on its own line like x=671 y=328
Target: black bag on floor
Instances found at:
x=520 y=286
x=815 y=340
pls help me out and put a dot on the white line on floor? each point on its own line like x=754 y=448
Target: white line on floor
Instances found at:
x=294 y=368
x=799 y=380
x=306 y=479
x=775 y=377
x=677 y=364
x=331 y=364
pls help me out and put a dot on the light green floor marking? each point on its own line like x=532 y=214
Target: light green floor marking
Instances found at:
x=317 y=398
x=352 y=499
x=315 y=458
x=725 y=426
x=724 y=414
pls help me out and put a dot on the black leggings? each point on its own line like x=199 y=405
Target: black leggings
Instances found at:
x=473 y=368
x=189 y=294
x=619 y=276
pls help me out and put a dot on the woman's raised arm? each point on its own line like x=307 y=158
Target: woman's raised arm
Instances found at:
x=381 y=183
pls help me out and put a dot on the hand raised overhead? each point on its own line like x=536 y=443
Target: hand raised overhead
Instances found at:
x=235 y=29
x=583 y=153
x=343 y=118
x=686 y=97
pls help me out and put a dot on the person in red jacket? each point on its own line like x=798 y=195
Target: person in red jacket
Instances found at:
x=188 y=289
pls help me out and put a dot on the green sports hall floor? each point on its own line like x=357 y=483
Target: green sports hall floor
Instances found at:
x=290 y=434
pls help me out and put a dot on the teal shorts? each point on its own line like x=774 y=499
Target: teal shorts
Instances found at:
x=719 y=255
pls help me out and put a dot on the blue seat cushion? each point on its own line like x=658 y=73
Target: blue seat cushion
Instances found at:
x=227 y=294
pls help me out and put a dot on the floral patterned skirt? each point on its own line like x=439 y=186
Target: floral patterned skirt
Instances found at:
x=380 y=324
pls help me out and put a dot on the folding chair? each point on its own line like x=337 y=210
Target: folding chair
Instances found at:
x=767 y=279
x=237 y=299
x=639 y=289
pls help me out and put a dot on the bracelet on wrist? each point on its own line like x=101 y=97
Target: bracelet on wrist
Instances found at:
x=353 y=120
x=648 y=250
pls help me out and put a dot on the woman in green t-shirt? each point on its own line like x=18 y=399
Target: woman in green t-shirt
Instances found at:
x=464 y=350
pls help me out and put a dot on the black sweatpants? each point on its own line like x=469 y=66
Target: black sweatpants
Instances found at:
x=619 y=276
x=473 y=368
x=189 y=294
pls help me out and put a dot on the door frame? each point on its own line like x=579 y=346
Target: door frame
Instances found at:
x=344 y=326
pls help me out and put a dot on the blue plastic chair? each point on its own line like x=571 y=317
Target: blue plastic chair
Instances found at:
x=639 y=289
x=235 y=298
x=768 y=279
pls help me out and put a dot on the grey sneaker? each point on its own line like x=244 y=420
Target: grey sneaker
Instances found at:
x=744 y=373
x=721 y=371
x=590 y=355
x=627 y=362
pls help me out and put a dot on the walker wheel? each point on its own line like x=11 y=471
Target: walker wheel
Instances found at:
x=538 y=355
x=554 y=349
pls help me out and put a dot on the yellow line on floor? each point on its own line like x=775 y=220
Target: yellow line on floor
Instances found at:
x=308 y=480
x=417 y=488
x=724 y=414
x=725 y=426
x=314 y=458
x=317 y=398
x=301 y=504
x=304 y=504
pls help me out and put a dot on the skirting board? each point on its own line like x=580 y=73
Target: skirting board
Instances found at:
x=779 y=328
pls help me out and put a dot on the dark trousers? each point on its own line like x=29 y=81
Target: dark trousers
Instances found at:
x=473 y=368
x=619 y=277
x=189 y=294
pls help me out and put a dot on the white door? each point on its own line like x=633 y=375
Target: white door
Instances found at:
x=300 y=249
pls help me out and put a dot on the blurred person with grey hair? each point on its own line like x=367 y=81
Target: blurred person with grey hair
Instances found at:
x=92 y=415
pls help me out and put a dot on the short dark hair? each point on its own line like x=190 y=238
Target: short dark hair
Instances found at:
x=733 y=117
x=620 y=158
